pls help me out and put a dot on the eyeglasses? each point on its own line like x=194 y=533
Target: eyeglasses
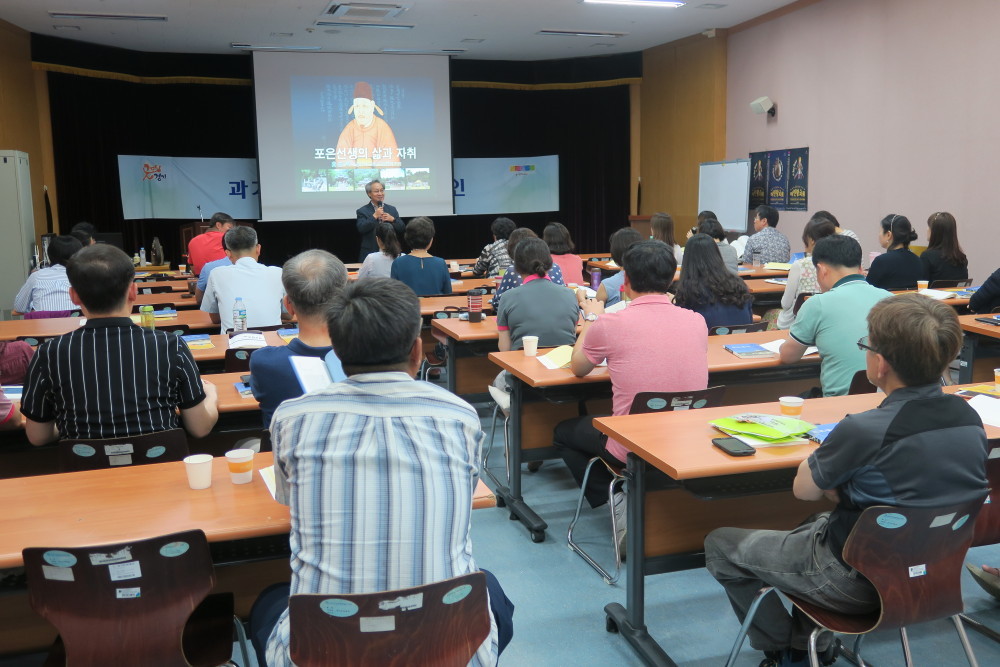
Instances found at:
x=864 y=344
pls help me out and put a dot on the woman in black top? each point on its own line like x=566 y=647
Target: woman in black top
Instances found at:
x=709 y=288
x=944 y=259
x=898 y=268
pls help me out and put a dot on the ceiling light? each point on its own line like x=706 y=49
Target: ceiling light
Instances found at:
x=574 y=33
x=345 y=24
x=425 y=51
x=107 y=17
x=637 y=3
x=65 y=27
x=272 y=47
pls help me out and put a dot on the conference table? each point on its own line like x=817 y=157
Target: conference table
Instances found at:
x=980 y=347
x=663 y=524
x=175 y=300
x=746 y=272
x=541 y=397
x=196 y=320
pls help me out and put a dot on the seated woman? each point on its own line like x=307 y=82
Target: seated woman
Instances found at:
x=898 y=268
x=557 y=237
x=802 y=275
x=943 y=259
x=836 y=223
x=422 y=272
x=538 y=307
x=379 y=264
x=48 y=289
x=512 y=278
x=611 y=287
x=708 y=288
x=662 y=226
x=987 y=298
x=730 y=257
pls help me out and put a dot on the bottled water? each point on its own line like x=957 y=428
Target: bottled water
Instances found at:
x=239 y=315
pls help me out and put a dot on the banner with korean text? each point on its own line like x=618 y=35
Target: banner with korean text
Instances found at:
x=506 y=185
x=155 y=186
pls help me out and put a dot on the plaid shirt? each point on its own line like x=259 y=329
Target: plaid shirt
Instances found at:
x=770 y=243
x=493 y=258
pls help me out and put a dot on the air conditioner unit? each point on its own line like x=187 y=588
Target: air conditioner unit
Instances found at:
x=363 y=11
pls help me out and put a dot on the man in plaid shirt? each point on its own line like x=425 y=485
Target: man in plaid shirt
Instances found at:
x=494 y=256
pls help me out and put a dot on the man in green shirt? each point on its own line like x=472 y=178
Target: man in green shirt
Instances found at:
x=834 y=320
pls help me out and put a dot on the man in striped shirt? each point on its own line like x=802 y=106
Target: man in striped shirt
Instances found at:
x=378 y=471
x=48 y=288
x=111 y=378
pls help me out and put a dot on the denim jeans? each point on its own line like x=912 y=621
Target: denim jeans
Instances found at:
x=797 y=562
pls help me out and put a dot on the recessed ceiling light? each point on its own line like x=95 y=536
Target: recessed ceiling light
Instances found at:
x=271 y=47
x=107 y=17
x=425 y=51
x=347 y=24
x=575 y=33
x=282 y=34
x=710 y=5
x=470 y=40
x=65 y=27
x=638 y=3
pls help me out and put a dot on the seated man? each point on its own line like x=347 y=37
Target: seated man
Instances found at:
x=84 y=232
x=378 y=471
x=494 y=256
x=206 y=271
x=311 y=280
x=768 y=243
x=48 y=289
x=833 y=320
x=878 y=457
x=111 y=378
x=631 y=340
x=258 y=285
x=207 y=247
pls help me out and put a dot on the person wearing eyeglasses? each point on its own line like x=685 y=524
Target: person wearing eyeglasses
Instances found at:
x=877 y=457
x=834 y=319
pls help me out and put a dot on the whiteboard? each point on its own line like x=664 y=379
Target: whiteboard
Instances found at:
x=724 y=187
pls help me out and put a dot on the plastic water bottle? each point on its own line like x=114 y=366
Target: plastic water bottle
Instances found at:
x=239 y=315
x=142 y=257
x=147 y=320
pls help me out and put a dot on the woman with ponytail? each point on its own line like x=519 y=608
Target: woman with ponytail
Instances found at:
x=898 y=268
x=378 y=264
x=944 y=258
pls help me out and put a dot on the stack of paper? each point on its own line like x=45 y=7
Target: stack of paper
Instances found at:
x=775 y=346
x=198 y=341
x=760 y=430
x=777 y=266
x=557 y=358
x=937 y=294
x=246 y=340
x=776 y=281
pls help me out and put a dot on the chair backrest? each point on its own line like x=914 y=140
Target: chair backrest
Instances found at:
x=726 y=329
x=150 y=288
x=943 y=284
x=76 y=454
x=121 y=604
x=988 y=522
x=799 y=300
x=176 y=329
x=46 y=314
x=861 y=385
x=237 y=361
x=440 y=624
x=272 y=327
x=666 y=401
x=913 y=557
x=449 y=312
x=35 y=341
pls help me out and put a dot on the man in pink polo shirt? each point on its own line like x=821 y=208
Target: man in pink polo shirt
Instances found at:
x=652 y=345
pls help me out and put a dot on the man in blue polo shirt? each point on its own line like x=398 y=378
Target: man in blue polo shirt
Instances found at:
x=311 y=279
x=835 y=319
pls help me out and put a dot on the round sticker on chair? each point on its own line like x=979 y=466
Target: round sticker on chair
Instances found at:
x=154 y=452
x=700 y=403
x=338 y=607
x=656 y=404
x=457 y=594
x=174 y=549
x=81 y=449
x=722 y=331
x=961 y=522
x=59 y=558
x=891 y=520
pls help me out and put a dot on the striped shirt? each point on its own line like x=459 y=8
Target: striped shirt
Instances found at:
x=45 y=289
x=111 y=379
x=378 y=471
x=493 y=258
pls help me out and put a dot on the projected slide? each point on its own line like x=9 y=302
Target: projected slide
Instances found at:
x=328 y=124
x=506 y=185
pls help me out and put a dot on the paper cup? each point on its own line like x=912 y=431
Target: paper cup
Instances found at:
x=530 y=345
x=240 y=465
x=199 y=470
x=996 y=379
x=791 y=405
x=922 y=284
x=182 y=268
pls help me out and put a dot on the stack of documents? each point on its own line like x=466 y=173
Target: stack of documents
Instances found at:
x=760 y=430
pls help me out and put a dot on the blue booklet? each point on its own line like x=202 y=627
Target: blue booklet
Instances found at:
x=819 y=433
x=749 y=350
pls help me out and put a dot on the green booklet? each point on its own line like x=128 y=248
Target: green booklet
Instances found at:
x=765 y=427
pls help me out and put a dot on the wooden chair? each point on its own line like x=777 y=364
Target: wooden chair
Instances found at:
x=913 y=557
x=861 y=385
x=799 y=300
x=643 y=403
x=726 y=329
x=440 y=624
x=75 y=454
x=944 y=284
x=987 y=531
x=237 y=361
x=150 y=288
x=133 y=603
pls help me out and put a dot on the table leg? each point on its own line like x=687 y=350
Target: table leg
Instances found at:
x=452 y=365
x=630 y=620
x=967 y=357
x=519 y=510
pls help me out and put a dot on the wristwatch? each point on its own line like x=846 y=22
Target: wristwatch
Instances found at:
x=591 y=317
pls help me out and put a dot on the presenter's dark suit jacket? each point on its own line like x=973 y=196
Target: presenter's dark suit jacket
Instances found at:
x=366 y=227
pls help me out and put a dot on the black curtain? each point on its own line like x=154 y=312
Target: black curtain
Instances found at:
x=96 y=119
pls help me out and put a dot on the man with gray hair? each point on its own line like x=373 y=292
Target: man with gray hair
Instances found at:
x=311 y=279
x=374 y=212
x=258 y=285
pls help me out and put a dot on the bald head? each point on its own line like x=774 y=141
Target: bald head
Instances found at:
x=311 y=280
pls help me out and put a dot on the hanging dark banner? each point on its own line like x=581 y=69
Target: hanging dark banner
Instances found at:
x=780 y=179
x=798 y=179
x=758 y=179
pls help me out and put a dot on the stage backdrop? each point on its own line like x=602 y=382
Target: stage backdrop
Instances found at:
x=155 y=186
x=505 y=185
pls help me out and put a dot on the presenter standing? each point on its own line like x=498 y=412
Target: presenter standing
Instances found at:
x=374 y=212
